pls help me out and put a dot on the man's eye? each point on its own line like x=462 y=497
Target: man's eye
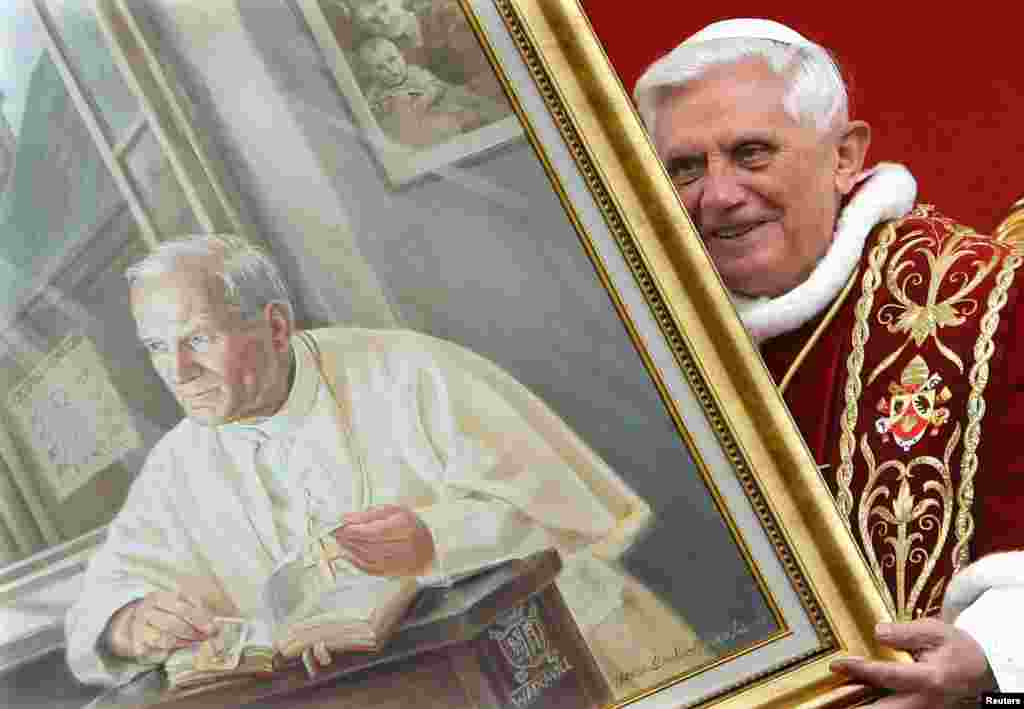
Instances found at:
x=155 y=347
x=199 y=343
x=753 y=154
x=683 y=172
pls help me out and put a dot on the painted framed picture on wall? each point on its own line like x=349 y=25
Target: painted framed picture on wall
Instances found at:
x=571 y=373
x=416 y=80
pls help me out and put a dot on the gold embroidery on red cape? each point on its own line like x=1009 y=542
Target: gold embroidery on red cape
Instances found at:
x=923 y=320
x=910 y=514
x=900 y=520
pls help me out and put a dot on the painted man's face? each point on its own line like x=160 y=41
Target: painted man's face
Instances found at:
x=762 y=188
x=219 y=366
x=385 y=62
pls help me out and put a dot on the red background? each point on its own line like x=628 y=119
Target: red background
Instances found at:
x=942 y=89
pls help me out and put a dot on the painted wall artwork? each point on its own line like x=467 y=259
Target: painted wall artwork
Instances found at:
x=73 y=417
x=416 y=78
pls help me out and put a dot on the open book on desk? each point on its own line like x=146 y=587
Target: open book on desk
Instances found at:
x=308 y=599
x=476 y=628
x=240 y=650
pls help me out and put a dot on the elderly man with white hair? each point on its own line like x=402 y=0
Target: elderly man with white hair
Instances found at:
x=891 y=330
x=435 y=460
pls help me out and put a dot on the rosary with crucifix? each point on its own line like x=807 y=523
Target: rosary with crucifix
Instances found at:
x=323 y=549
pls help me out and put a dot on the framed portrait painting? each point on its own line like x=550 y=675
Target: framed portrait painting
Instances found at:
x=540 y=255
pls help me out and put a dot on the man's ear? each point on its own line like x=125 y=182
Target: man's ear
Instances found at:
x=281 y=326
x=852 y=150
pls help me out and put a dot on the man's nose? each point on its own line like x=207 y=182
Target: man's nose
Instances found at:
x=721 y=188
x=181 y=366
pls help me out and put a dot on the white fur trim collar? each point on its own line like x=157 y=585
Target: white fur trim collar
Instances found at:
x=992 y=571
x=888 y=192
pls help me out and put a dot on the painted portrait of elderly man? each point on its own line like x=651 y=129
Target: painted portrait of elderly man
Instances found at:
x=431 y=459
x=275 y=334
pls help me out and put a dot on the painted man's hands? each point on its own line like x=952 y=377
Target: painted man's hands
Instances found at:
x=388 y=540
x=163 y=621
x=950 y=665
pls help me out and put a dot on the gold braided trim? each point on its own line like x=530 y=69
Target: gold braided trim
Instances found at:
x=978 y=379
x=854 y=364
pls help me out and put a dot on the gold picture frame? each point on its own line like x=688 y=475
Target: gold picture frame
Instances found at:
x=565 y=259
x=605 y=138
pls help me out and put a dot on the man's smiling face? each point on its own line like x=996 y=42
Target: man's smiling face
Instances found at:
x=762 y=188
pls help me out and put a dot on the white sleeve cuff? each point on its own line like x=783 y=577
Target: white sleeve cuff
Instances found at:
x=467 y=533
x=85 y=625
x=992 y=620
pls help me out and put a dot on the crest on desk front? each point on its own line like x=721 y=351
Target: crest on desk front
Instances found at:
x=537 y=665
x=520 y=635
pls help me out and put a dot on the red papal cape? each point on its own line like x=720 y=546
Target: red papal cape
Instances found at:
x=909 y=390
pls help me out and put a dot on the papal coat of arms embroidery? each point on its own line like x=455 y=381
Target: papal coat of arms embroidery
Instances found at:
x=913 y=406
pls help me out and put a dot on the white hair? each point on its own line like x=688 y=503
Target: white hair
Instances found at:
x=816 y=93
x=251 y=279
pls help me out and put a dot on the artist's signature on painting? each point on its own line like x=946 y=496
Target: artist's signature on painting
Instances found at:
x=681 y=653
x=656 y=663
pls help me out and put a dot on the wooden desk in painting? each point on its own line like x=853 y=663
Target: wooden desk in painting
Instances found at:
x=504 y=639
